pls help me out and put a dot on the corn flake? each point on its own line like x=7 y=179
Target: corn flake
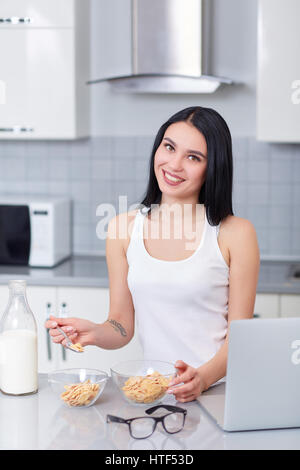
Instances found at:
x=146 y=389
x=77 y=347
x=80 y=394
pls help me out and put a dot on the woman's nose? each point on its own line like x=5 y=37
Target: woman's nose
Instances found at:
x=176 y=163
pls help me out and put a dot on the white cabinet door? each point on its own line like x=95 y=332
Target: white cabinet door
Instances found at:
x=38 y=298
x=278 y=84
x=267 y=305
x=290 y=305
x=14 y=78
x=44 y=69
x=37 y=67
x=42 y=13
x=93 y=304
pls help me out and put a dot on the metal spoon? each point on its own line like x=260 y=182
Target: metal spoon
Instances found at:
x=69 y=343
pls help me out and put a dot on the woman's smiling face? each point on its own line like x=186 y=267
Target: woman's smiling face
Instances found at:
x=181 y=160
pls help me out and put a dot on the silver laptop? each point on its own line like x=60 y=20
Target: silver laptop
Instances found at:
x=262 y=388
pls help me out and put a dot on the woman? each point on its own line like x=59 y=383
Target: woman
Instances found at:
x=185 y=290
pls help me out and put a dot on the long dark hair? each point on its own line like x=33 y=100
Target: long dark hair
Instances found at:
x=216 y=191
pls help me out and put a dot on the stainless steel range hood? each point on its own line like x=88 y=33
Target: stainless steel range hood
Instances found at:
x=166 y=50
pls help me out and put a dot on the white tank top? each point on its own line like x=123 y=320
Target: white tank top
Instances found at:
x=181 y=306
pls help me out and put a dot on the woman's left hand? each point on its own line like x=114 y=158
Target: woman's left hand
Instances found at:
x=193 y=383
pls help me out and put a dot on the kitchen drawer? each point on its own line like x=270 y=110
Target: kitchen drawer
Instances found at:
x=290 y=305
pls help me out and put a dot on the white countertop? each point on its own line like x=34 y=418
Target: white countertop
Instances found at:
x=91 y=271
x=42 y=421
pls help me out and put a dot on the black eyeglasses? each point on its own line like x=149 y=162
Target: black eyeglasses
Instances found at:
x=143 y=427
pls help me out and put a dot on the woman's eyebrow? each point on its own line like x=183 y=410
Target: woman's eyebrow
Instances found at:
x=189 y=151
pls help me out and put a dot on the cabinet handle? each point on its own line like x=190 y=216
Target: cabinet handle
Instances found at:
x=62 y=315
x=48 y=340
x=16 y=20
x=17 y=129
x=64 y=353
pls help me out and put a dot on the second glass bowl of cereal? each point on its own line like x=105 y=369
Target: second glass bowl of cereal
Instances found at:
x=143 y=382
x=78 y=388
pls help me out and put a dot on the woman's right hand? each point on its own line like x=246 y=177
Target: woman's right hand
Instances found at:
x=78 y=330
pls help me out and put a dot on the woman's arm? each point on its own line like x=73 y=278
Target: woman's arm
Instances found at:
x=243 y=277
x=118 y=329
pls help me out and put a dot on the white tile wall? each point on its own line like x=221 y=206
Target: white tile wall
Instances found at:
x=266 y=186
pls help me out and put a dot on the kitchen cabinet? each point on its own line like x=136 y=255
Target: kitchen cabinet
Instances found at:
x=267 y=305
x=277 y=305
x=38 y=298
x=89 y=303
x=278 y=71
x=44 y=53
x=39 y=13
x=290 y=305
x=93 y=304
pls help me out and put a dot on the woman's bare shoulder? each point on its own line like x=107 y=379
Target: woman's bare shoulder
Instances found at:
x=120 y=227
x=235 y=224
x=127 y=217
x=123 y=218
x=238 y=232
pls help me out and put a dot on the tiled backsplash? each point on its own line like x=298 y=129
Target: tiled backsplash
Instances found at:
x=98 y=170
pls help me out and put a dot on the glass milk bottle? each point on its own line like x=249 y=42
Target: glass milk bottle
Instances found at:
x=18 y=344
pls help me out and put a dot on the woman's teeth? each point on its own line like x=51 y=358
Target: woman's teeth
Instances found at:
x=172 y=178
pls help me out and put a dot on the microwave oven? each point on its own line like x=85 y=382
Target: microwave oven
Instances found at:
x=34 y=231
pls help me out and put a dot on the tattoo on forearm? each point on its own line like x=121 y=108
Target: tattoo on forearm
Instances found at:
x=118 y=327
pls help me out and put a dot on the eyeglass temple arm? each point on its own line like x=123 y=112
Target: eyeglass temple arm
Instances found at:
x=167 y=407
x=115 y=419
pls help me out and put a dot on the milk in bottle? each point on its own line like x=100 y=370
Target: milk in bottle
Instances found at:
x=18 y=344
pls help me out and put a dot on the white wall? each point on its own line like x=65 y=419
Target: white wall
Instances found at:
x=231 y=33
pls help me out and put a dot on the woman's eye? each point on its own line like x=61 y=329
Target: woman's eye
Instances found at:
x=169 y=147
x=194 y=158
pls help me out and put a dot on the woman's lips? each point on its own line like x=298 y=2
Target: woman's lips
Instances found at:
x=167 y=175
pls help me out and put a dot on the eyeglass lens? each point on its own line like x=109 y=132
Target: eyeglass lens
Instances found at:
x=142 y=427
x=174 y=422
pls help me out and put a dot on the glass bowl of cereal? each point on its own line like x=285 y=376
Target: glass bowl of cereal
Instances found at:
x=143 y=382
x=78 y=388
